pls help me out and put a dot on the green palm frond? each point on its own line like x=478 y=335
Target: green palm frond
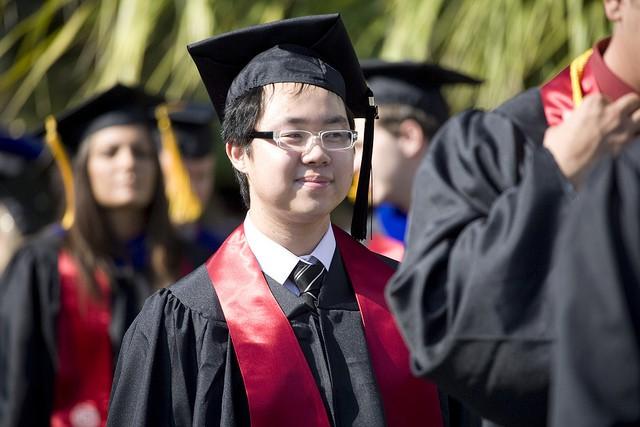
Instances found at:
x=68 y=49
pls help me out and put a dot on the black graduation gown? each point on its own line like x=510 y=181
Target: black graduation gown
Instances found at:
x=30 y=301
x=596 y=378
x=472 y=293
x=178 y=365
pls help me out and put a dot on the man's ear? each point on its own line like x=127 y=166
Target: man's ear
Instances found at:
x=237 y=155
x=613 y=10
x=412 y=140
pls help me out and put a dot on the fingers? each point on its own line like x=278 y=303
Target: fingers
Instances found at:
x=627 y=104
x=635 y=122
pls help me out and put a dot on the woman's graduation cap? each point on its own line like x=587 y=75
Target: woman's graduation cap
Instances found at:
x=416 y=84
x=315 y=50
x=119 y=105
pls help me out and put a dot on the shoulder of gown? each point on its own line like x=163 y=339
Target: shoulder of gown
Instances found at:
x=29 y=303
x=176 y=365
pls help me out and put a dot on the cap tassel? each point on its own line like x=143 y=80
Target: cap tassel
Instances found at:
x=52 y=138
x=184 y=205
x=361 y=205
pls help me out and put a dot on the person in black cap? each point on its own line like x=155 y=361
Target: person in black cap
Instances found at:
x=286 y=323
x=27 y=196
x=188 y=164
x=67 y=298
x=474 y=294
x=412 y=109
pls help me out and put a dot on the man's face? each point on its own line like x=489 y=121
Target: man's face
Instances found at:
x=388 y=164
x=292 y=187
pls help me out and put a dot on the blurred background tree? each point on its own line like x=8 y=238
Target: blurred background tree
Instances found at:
x=57 y=52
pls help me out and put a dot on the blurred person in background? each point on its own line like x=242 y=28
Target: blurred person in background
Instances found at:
x=66 y=299
x=188 y=165
x=474 y=296
x=411 y=109
x=28 y=201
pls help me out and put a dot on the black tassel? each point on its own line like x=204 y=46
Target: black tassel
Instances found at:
x=361 y=205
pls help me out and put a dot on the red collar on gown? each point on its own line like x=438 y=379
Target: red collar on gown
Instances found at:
x=284 y=394
x=557 y=95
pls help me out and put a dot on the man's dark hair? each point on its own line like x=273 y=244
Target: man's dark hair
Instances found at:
x=240 y=118
x=392 y=115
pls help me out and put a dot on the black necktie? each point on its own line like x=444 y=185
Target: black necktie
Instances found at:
x=308 y=278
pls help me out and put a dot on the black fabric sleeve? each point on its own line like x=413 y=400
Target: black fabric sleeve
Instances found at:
x=471 y=294
x=176 y=364
x=597 y=364
x=29 y=303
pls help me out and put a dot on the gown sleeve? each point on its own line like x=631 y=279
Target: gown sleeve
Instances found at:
x=29 y=303
x=471 y=294
x=597 y=370
x=176 y=365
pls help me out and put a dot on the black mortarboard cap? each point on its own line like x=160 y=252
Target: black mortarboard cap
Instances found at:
x=119 y=105
x=26 y=187
x=314 y=49
x=192 y=124
x=413 y=83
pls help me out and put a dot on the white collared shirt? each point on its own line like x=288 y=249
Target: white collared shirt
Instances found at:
x=278 y=262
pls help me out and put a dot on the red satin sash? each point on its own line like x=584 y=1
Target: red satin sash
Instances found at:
x=85 y=365
x=557 y=95
x=285 y=394
x=387 y=246
x=280 y=387
x=407 y=401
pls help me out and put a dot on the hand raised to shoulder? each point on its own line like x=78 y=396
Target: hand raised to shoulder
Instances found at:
x=594 y=128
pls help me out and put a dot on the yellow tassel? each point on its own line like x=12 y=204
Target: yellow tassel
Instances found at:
x=576 y=70
x=184 y=205
x=52 y=139
x=351 y=195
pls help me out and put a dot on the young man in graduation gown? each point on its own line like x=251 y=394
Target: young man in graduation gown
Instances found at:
x=596 y=366
x=473 y=296
x=286 y=323
x=411 y=110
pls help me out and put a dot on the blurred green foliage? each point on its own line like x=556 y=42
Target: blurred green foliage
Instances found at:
x=56 y=52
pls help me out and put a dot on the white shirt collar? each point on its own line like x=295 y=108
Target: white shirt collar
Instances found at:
x=278 y=262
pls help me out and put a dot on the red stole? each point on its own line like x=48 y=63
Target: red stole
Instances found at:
x=557 y=94
x=279 y=384
x=387 y=246
x=85 y=358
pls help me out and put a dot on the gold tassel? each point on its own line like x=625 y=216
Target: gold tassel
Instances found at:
x=351 y=195
x=576 y=69
x=184 y=205
x=61 y=158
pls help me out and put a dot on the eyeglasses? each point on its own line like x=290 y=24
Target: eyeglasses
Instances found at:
x=298 y=140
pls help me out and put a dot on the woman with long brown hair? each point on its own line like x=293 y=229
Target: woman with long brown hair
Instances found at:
x=67 y=298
